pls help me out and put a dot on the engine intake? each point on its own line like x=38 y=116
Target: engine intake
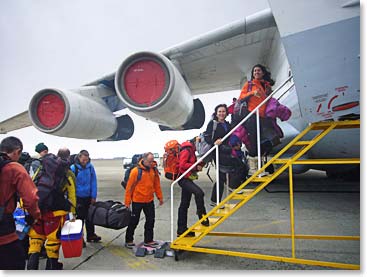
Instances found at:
x=151 y=86
x=74 y=114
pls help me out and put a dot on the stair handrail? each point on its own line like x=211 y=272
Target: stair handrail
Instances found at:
x=216 y=147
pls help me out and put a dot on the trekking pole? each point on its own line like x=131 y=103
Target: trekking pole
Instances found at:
x=208 y=173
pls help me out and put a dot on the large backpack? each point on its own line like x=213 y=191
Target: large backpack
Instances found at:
x=24 y=157
x=28 y=165
x=202 y=146
x=240 y=109
x=171 y=159
x=136 y=159
x=50 y=179
x=134 y=162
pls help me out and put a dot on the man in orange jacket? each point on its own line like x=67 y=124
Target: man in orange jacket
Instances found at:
x=143 y=182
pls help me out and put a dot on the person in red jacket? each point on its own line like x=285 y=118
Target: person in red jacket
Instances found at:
x=255 y=92
x=14 y=181
x=188 y=188
x=139 y=194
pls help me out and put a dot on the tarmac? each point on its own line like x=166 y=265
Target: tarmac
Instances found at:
x=322 y=207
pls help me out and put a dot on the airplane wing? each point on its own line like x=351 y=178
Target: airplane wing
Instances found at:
x=219 y=60
x=16 y=122
x=157 y=86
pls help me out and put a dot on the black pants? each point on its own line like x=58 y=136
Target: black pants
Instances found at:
x=149 y=212
x=237 y=177
x=226 y=165
x=222 y=180
x=250 y=125
x=12 y=256
x=188 y=188
x=82 y=205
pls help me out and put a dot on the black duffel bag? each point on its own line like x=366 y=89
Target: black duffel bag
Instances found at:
x=110 y=214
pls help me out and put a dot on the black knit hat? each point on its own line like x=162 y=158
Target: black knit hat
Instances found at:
x=40 y=147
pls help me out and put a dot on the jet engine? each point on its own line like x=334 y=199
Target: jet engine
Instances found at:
x=151 y=86
x=79 y=113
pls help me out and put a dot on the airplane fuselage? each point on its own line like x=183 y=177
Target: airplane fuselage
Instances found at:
x=323 y=58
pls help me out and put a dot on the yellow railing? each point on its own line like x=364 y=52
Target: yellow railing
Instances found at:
x=217 y=215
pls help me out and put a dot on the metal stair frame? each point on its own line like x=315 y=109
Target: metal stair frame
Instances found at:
x=188 y=242
x=184 y=243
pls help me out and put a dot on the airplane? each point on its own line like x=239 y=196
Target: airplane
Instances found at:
x=315 y=44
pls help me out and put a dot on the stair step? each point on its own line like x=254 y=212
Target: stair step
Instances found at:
x=303 y=142
x=340 y=125
x=227 y=208
x=239 y=196
x=281 y=161
x=245 y=193
x=201 y=228
x=184 y=241
x=262 y=179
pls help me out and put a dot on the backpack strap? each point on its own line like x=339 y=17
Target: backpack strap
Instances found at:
x=215 y=125
x=249 y=86
x=3 y=162
x=76 y=171
x=35 y=175
x=140 y=173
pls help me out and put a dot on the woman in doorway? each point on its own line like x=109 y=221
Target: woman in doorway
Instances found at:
x=255 y=92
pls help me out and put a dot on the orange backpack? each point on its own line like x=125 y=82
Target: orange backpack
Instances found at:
x=171 y=159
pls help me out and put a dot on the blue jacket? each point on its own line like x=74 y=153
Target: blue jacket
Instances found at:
x=86 y=180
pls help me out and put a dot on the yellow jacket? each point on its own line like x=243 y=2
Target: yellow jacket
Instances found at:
x=69 y=188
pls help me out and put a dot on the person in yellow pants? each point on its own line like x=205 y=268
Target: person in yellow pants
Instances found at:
x=49 y=226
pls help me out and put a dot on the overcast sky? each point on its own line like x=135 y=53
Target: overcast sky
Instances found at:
x=65 y=44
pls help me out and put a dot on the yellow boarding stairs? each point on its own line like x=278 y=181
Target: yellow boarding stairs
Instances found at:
x=217 y=215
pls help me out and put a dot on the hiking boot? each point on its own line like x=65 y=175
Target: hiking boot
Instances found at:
x=93 y=238
x=53 y=264
x=188 y=235
x=33 y=261
x=152 y=243
x=205 y=222
x=214 y=204
x=129 y=245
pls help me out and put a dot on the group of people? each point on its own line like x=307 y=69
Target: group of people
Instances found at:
x=232 y=160
x=143 y=182
x=18 y=180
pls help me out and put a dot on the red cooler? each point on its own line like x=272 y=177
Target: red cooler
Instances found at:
x=72 y=238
